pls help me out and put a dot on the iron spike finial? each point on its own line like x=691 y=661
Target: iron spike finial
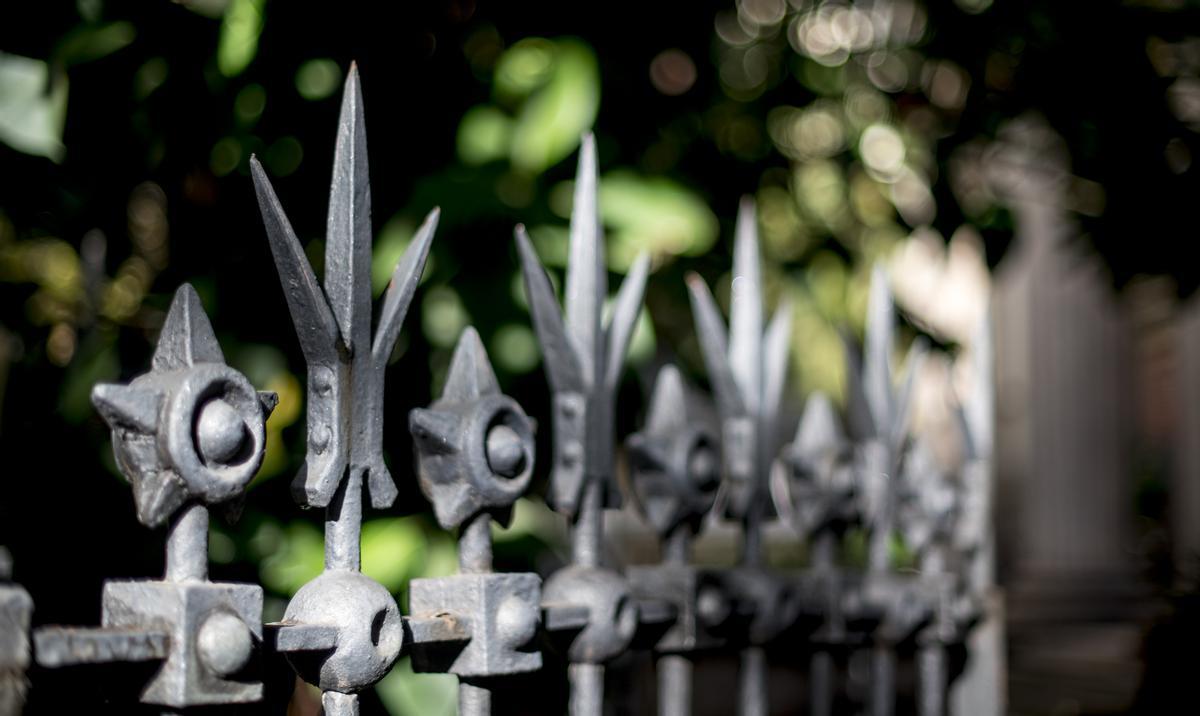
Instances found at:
x=334 y=323
x=747 y=373
x=347 y=618
x=583 y=357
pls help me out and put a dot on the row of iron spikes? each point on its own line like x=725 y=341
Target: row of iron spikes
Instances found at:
x=576 y=358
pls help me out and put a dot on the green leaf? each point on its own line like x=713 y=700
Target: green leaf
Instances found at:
x=297 y=560
x=238 y=42
x=393 y=550
x=405 y=692
x=91 y=42
x=317 y=79
x=550 y=123
x=33 y=109
x=484 y=135
x=653 y=214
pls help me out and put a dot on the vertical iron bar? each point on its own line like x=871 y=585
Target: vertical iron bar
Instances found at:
x=343 y=524
x=335 y=703
x=675 y=670
x=820 y=683
x=674 y=685
x=821 y=668
x=475 y=545
x=587 y=545
x=587 y=689
x=931 y=684
x=473 y=699
x=187 y=544
x=883 y=680
x=752 y=686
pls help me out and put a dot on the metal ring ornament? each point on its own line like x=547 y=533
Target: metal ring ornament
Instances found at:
x=490 y=412
x=215 y=433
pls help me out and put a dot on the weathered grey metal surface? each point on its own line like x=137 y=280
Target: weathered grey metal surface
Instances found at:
x=190 y=435
x=583 y=360
x=16 y=610
x=187 y=435
x=345 y=418
x=747 y=371
x=475 y=456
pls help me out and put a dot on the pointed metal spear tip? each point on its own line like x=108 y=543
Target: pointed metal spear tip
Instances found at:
x=470 y=374
x=435 y=432
x=187 y=336
x=819 y=429
x=668 y=402
x=268 y=400
x=403 y=285
x=126 y=406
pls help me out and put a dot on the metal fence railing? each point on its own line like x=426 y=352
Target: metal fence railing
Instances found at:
x=189 y=436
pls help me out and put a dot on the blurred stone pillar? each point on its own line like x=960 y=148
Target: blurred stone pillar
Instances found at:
x=1065 y=503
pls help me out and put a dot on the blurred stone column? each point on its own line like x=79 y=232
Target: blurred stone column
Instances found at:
x=1065 y=503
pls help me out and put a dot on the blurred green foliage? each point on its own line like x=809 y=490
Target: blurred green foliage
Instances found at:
x=126 y=131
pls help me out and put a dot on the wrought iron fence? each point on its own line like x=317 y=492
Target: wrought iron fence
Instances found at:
x=189 y=436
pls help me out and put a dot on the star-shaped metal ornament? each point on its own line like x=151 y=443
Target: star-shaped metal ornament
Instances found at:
x=191 y=428
x=813 y=488
x=346 y=365
x=674 y=463
x=583 y=357
x=474 y=445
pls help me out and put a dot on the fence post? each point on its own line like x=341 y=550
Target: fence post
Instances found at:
x=475 y=458
x=674 y=467
x=747 y=372
x=343 y=631
x=189 y=434
x=583 y=362
x=16 y=609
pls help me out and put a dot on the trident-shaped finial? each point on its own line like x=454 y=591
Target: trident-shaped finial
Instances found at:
x=879 y=412
x=583 y=357
x=346 y=366
x=747 y=372
x=343 y=630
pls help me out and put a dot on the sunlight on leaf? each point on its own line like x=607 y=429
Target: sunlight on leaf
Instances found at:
x=550 y=123
x=238 y=42
x=653 y=214
x=404 y=692
x=33 y=109
x=317 y=79
x=298 y=556
x=484 y=135
x=393 y=550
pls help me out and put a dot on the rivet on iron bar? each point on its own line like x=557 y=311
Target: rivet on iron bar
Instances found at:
x=187 y=435
x=583 y=361
x=343 y=630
